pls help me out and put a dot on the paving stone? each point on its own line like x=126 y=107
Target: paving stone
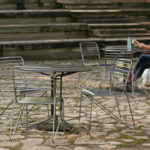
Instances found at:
x=59 y=141
x=31 y=142
x=128 y=140
x=108 y=146
x=19 y=137
x=4 y=138
x=146 y=144
x=39 y=148
x=80 y=148
x=114 y=143
x=82 y=140
x=132 y=148
x=97 y=134
x=11 y=144
x=63 y=148
x=141 y=137
x=112 y=136
x=105 y=132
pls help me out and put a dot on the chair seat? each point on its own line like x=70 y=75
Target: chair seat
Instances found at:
x=38 y=100
x=101 y=92
x=30 y=89
x=111 y=70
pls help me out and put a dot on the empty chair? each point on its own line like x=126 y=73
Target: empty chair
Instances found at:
x=33 y=88
x=6 y=80
x=90 y=50
x=97 y=95
x=90 y=55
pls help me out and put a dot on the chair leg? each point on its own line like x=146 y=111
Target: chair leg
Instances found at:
x=118 y=107
x=12 y=116
x=108 y=112
x=110 y=79
x=62 y=109
x=91 y=109
x=2 y=112
x=27 y=115
x=20 y=115
x=130 y=109
x=54 y=121
x=80 y=107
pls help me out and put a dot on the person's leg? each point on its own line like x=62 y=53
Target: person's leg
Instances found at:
x=142 y=63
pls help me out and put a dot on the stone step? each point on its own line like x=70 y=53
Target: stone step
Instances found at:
x=119 y=31
x=8 y=6
x=124 y=20
x=130 y=12
x=44 y=49
x=43 y=36
x=56 y=49
x=52 y=27
x=117 y=5
x=84 y=1
x=34 y=16
x=125 y=35
x=34 y=13
x=90 y=7
x=28 y=4
x=43 y=31
x=123 y=40
x=145 y=24
x=116 y=25
x=26 y=1
x=99 y=16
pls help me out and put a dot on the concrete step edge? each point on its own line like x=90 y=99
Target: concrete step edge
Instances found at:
x=44 y=25
x=54 y=41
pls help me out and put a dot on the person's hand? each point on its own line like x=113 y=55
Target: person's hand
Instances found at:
x=142 y=45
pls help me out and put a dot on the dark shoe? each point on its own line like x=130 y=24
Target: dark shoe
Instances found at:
x=129 y=88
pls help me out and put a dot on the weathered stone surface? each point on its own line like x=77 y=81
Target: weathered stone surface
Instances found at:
x=31 y=142
x=4 y=137
x=105 y=133
x=39 y=148
x=11 y=144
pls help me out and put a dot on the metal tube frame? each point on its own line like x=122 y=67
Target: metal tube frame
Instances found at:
x=107 y=111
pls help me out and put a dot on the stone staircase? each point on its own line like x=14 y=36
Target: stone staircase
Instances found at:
x=112 y=22
x=41 y=32
x=50 y=29
x=27 y=4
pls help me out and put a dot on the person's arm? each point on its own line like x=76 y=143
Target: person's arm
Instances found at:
x=144 y=46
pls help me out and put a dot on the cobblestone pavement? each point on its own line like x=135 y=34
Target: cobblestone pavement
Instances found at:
x=105 y=134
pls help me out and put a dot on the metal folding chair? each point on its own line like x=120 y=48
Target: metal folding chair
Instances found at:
x=6 y=79
x=112 y=54
x=118 y=88
x=90 y=50
x=32 y=87
x=90 y=55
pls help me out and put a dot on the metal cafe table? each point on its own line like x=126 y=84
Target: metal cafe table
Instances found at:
x=56 y=73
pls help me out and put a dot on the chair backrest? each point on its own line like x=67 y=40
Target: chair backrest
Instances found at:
x=89 y=50
x=112 y=53
x=122 y=71
x=6 y=71
x=29 y=81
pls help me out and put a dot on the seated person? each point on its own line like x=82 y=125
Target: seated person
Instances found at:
x=141 y=64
